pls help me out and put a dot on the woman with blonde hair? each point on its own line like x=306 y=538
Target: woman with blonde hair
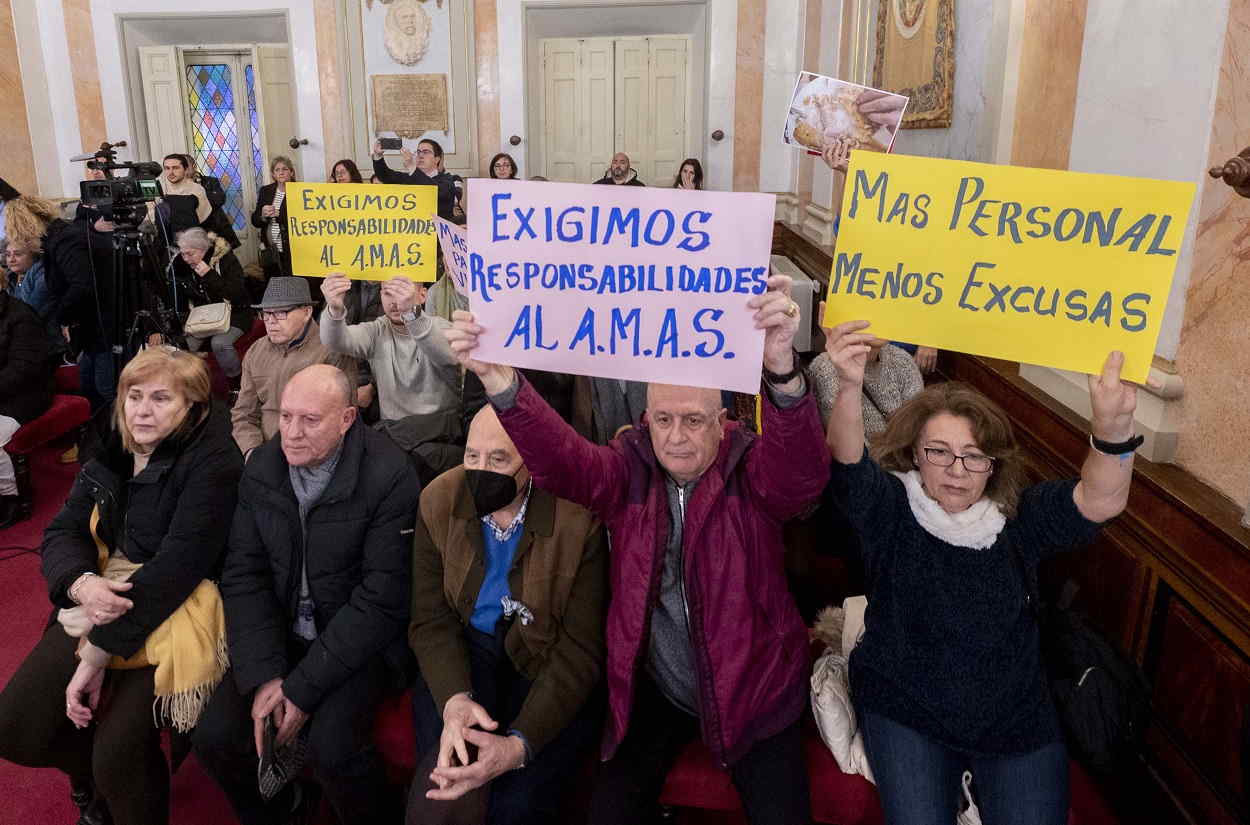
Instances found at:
x=270 y=217
x=948 y=674
x=27 y=219
x=127 y=561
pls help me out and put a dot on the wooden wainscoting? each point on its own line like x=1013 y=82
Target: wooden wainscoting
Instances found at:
x=1168 y=582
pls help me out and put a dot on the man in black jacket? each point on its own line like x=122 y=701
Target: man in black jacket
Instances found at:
x=620 y=172
x=316 y=589
x=429 y=159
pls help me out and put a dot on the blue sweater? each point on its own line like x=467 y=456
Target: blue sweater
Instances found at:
x=949 y=648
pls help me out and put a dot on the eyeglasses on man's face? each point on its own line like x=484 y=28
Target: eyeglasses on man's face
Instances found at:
x=277 y=314
x=973 y=462
x=425 y=152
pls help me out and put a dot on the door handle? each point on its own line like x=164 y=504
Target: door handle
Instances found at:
x=295 y=143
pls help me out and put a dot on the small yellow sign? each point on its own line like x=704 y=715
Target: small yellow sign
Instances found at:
x=366 y=231
x=1030 y=265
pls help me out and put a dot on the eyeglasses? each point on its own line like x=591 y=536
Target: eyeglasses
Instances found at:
x=277 y=314
x=425 y=151
x=503 y=164
x=973 y=462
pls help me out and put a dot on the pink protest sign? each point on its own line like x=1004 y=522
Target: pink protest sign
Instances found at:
x=620 y=281
x=454 y=245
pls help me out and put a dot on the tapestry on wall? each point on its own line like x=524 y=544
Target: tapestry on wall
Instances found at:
x=916 y=58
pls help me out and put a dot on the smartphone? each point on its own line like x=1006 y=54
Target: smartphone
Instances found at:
x=391 y=144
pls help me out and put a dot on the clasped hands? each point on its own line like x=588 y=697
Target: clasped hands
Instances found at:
x=465 y=723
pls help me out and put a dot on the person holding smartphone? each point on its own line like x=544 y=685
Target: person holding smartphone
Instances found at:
x=428 y=172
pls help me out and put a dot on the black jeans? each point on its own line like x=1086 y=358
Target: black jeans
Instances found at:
x=531 y=796
x=120 y=751
x=340 y=749
x=771 y=778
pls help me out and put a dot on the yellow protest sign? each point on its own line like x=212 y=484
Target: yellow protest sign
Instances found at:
x=367 y=231
x=1030 y=265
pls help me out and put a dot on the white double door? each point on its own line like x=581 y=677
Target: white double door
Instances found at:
x=603 y=95
x=231 y=108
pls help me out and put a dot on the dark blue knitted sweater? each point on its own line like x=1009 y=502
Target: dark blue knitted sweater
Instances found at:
x=949 y=648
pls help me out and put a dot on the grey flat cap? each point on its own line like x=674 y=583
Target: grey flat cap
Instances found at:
x=285 y=291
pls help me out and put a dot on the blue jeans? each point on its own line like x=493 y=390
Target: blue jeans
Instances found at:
x=919 y=779
x=96 y=378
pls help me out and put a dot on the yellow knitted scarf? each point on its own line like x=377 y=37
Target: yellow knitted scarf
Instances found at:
x=188 y=649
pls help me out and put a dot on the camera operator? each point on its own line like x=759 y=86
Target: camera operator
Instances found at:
x=213 y=274
x=78 y=261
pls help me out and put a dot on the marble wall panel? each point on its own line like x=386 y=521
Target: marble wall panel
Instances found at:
x=748 y=94
x=15 y=148
x=336 y=134
x=489 y=138
x=1215 y=334
x=1050 y=67
x=80 y=38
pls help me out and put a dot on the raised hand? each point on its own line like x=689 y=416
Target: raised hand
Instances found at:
x=848 y=349
x=462 y=337
x=837 y=155
x=778 y=315
x=335 y=288
x=1113 y=401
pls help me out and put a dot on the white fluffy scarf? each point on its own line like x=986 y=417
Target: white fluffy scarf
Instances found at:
x=977 y=527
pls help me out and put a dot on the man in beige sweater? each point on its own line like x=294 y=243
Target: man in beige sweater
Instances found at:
x=292 y=341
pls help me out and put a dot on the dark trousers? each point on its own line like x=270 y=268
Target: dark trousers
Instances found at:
x=120 y=751
x=919 y=779
x=771 y=779
x=340 y=750
x=96 y=377
x=531 y=796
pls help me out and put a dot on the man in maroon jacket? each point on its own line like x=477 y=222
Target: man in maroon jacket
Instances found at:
x=703 y=635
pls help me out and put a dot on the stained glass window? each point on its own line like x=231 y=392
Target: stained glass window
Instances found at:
x=215 y=132
x=258 y=157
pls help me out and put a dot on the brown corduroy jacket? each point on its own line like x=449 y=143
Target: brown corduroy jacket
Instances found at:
x=559 y=572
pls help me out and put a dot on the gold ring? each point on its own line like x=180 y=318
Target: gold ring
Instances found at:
x=792 y=310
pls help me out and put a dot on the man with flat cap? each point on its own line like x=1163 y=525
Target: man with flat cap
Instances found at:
x=292 y=341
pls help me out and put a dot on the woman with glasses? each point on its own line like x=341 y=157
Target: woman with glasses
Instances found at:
x=269 y=216
x=948 y=674
x=503 y=167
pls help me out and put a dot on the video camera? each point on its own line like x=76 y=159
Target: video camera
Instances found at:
x=122 y=200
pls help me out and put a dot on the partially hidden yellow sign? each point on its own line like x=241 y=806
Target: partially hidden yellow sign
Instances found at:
x=368 y=232
x=1030 y=265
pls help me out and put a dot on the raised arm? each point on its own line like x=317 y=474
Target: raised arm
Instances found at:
x=561 y=461
x=355 y=340
x=788 y=466
x=1102 y=492
x=848 y=350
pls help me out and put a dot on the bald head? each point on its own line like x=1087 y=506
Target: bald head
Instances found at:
x=315 y=413
x=620 y=167
x=686 y=425
x=489 y=448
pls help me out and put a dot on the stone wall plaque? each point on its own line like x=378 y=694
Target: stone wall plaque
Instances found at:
x=410 y=104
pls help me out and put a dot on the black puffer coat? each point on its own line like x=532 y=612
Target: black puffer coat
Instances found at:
x=173 y=518
x=25 y=361
x=359 y=557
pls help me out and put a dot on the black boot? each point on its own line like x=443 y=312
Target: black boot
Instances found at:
x=92 y=809
x=10 y=511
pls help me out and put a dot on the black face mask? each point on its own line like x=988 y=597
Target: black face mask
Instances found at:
x=491 y=491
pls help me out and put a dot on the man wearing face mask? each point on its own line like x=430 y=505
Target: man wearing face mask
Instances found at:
x=508 y=600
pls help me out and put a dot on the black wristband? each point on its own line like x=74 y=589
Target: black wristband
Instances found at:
x=1116 y=448
x=778 y=379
